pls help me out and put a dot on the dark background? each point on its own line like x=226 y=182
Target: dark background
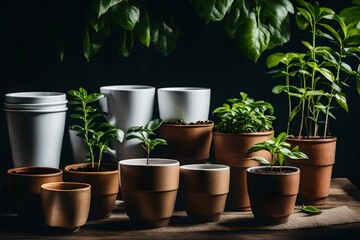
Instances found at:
x=32 y=32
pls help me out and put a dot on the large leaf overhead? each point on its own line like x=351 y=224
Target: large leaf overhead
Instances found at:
x=212 y=10
x=126 y=14
x=102 y=6
x=164 y=35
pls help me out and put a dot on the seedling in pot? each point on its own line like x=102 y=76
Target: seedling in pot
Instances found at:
x=279 y=150
x=144 y=133
x=95 y=133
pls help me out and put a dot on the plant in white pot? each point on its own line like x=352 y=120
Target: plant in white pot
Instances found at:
x=315 y=80
x=103 y=177
x=273 y=189
x=241 y=123
x=149 y=185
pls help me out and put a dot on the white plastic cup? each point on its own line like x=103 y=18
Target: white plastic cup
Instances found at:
x=36 y=136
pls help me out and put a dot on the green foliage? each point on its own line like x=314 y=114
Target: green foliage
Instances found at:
x=255 y=25
x=144 y=133
x=279 y=150
x=95 y=134
x=241 y=115
x=128 y=21
x=310 y=210
x=315 y=79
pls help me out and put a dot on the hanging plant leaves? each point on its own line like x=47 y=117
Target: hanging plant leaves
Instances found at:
x=125 y=43
x=102 y=6
x=211 y=10
x=232 y=19
x=92 y=42
x=164 y=34
x=142 y=28
x=126 y=14
x=102 y=23
x=252 y=38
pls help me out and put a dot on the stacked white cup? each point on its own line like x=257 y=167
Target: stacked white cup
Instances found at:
x=36 y=122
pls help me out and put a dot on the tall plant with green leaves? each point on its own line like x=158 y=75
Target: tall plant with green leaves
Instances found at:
x=242 y=115
x=95 y=133
x=255 y=25
x=279 y=150
x=145 y=135
x=315 y=79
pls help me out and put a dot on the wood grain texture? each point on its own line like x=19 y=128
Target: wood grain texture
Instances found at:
x=342 y=192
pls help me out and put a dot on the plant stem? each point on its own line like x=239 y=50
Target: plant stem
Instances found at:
x=289 y=99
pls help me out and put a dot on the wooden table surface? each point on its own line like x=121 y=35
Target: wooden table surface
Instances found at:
x=342 y=192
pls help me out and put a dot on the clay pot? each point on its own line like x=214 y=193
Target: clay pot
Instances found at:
x=186 y=143
x=316 y=171
x=104 y=187
x=231 y=149
x=66 y=204
x=149 y=191
x=273 y=196
x=24 y=186
x=205 y=188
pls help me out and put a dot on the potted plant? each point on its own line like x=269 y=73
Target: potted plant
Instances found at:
x=273 y=189
x=241 y=123
x=315 y=80
x=149 y=185
x=103 y=177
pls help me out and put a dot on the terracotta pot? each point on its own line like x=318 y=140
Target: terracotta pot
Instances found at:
x=149 y=191
x=231 y=149
x=24 y=186
x=316 y=171
x=186 y=143
x=273 y=196
x=104 y=187
x=66 y=205
x=205 y=188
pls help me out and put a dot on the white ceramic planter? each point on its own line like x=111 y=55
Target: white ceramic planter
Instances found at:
x=34 y=97
x=78 y=147
x=36 y=136
x=190 y=104
x=127 y=106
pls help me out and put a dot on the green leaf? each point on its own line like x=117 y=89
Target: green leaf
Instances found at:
x=126 y=43
x=261 y=160
x=165 y=35
x=251 y=38
x=274 y=59
x=102 y=6
x=280 y=35
x=126 y=14
x=233 y=18
x=303 y=18
x=311 y=210
x=350 y=14
x=278 y=89
x=142 y=28
x=92 y=43
x=211 y=10
x=341 y=100
x=154 y=124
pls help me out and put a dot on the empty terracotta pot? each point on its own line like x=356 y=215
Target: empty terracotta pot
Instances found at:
x=149 y=190
x=231 y=149
x=205 y=188
x=24 y=185
x=104 y=187
x=188 y=143
x=273 y=196
x=66 y=205
x=316 y=172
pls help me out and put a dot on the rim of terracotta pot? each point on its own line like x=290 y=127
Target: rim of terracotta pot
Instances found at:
x=35 y=171
x=174 y=125
x=249 y=170
x=205 y=167
x=153 y=162
x=66 y=186
x=244 y=134
x=183 y=89
x=68 y=168
x=313 y=139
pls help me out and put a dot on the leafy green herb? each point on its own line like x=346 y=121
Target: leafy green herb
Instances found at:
x=311 y=210
x=96 y=134
x=241 y=115
x=279 y=150
x=144 y=133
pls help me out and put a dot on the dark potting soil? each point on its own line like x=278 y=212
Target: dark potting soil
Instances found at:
x=95 y=169
x=275 y=171
x=191 y=123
